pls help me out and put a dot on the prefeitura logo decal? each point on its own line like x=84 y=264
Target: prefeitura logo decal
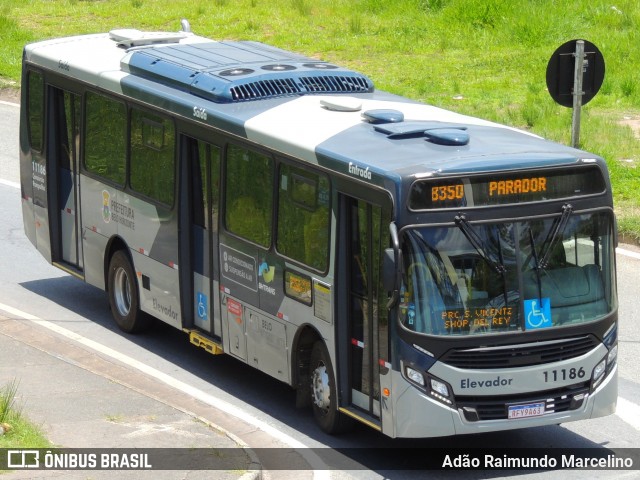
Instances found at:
x=106 y=209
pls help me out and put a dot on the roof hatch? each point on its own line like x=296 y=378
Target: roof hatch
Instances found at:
x=435 y=132
x=131 y=37
x=227 y=72
x=383 y=115
x=447 y=136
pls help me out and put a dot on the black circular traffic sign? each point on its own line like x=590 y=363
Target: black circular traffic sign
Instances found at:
x=560 y=73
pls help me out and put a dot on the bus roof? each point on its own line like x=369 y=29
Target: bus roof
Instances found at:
x=297 y=105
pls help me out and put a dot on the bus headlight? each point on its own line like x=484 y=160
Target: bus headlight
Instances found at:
x=436 y=388
x=598 y=371
x=439 y=387
x=605 y=366
x=414 y=375
x=440 y=390
x=601 y=369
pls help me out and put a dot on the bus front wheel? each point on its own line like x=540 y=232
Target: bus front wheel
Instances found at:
x=323 y=392
x=123 y=295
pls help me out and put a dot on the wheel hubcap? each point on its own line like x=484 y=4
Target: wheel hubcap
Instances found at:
x=320 y=387
x=122 y=292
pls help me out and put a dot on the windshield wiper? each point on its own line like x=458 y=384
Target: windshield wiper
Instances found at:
x=532 y=242
x=477 y=243
x=557 y=230
x=480 y=246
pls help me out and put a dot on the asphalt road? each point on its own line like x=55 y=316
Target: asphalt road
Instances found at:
x=35 y=287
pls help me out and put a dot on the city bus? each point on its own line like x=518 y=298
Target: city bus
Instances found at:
x=420 y=271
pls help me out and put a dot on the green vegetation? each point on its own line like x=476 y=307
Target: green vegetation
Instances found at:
x=486 y=59
x=20 y=433
x=7 y=400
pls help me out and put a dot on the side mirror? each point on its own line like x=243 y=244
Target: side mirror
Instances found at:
x=389 y=270
x=391 y=267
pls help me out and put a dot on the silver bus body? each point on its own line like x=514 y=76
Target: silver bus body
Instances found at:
x=339 y=154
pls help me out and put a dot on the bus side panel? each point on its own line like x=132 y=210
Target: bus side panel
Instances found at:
x=266 y=341
x=33 y=165
x=41 y=205
x=151 y=233
x=260 y=320
x=26 y=171
x=158 y=287
x=28 y=215
x=97 y=227
x=26 y=165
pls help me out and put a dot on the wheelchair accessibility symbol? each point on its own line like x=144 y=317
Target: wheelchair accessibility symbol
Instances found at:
x=202 y=306
x=537 y=313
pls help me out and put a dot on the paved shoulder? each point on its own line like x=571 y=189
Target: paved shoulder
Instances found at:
x=85 y=401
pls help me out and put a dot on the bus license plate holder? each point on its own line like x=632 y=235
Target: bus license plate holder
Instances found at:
x=525 y=410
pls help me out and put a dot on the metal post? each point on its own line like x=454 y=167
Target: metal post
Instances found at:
x=577 y=93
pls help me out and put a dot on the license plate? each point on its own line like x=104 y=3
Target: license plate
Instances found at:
x=524 y=411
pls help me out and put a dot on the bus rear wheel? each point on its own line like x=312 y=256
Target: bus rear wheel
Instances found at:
x=324 y=399
x=123 y=295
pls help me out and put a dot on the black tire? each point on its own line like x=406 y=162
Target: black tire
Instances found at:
x=124 y=297
x=324 y=399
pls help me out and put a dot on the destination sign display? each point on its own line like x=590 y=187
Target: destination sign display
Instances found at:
x=504 y=189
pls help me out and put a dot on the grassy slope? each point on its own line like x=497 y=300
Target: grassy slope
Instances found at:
x=481 y=58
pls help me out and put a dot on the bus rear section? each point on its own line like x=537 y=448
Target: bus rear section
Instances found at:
x=507 y=308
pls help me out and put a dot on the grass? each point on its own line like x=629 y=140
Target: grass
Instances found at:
x=23 y=433
x=7 y=400
x=486 y=59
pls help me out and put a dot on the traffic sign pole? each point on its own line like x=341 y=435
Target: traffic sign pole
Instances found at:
x=577 y=93
x=575 y=73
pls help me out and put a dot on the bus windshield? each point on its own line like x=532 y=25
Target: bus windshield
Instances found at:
x=491 y=278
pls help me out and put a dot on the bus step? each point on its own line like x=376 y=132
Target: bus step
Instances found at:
x=70 y=269
x=201 y=341
x=362 y=417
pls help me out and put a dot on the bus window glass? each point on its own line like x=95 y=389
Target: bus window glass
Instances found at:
x=249 y=195
x=214 y=180
x=72 y=115
x=152 y=156
x=198 y=153
x=303 y=216
x=500 y=284
x=66 y=131
x=105 y=140
x=35 y=105
x=572 y=277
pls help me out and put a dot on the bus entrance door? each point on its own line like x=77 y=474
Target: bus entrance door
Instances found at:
x=366 y=315
x=205 y=167
x=64 y=128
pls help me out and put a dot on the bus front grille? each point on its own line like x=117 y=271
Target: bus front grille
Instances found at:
x=522 y=355
x=477 y=408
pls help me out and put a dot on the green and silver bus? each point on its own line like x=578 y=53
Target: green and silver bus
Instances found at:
x=423 y=272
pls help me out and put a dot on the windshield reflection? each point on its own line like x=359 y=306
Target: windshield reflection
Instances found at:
x=472 y=279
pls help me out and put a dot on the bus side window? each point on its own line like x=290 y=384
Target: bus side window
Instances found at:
x=303 y=216
x=152 y=156
x=35 y=104
x=214 y=181
x=206 y=172
x=105 y=140
x=249 y=194
x=197 y=151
